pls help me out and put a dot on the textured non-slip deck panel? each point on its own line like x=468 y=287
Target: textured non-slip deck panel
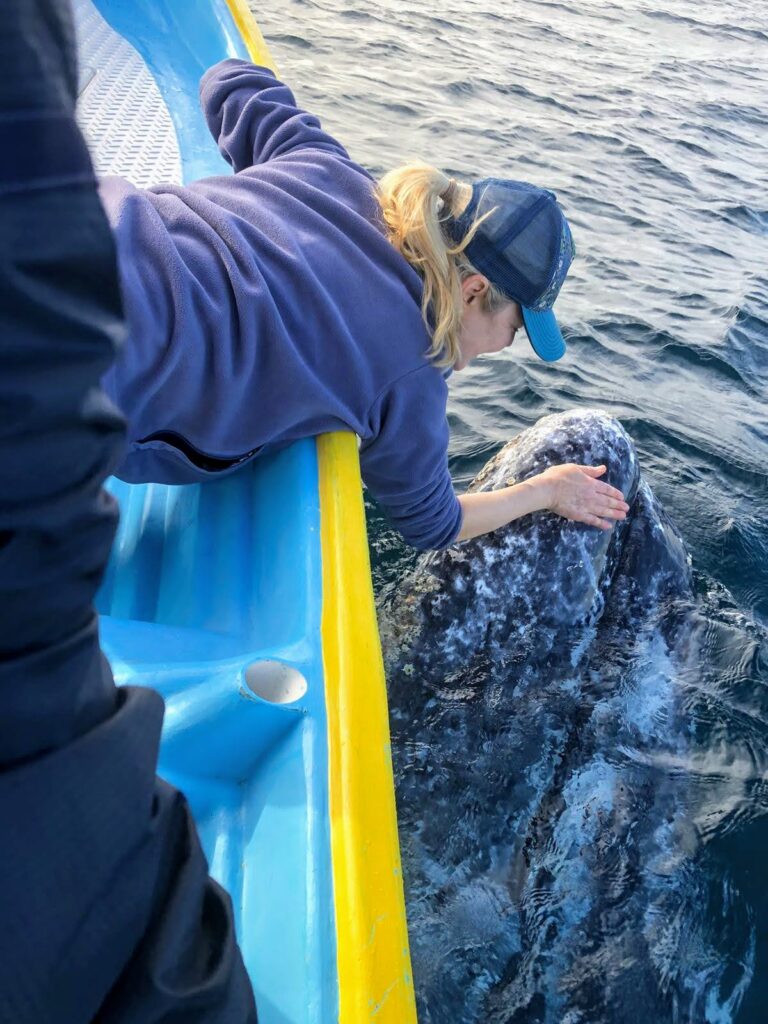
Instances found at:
x=120 y=109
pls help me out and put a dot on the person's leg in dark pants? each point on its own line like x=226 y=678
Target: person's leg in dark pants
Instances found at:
x=107 y=912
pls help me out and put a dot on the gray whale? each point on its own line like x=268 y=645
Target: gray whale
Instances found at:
x=551 y=848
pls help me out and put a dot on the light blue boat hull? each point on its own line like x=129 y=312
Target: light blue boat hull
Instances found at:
x=208 y=580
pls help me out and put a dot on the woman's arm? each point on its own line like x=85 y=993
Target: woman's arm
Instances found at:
x=254 y=118
x=572 y=491
x=405 y=467
x=405 y=461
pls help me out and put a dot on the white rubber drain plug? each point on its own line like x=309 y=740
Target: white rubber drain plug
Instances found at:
x=276 y=682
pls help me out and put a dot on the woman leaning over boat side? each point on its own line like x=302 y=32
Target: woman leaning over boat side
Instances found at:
x=296 y=297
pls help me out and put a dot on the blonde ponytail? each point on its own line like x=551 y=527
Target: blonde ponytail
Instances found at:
x=414 y=199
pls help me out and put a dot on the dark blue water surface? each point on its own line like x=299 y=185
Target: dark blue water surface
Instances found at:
x=650 y=121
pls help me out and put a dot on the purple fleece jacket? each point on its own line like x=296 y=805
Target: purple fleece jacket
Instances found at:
x=268 y=306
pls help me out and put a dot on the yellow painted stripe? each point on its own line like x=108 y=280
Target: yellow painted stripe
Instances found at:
x=251 y=33
x=373 y=958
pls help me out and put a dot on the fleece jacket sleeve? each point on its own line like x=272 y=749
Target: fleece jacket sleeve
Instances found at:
x=254 y=118
x=405 y=465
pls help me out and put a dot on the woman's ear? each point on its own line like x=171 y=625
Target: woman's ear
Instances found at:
x=473 y=288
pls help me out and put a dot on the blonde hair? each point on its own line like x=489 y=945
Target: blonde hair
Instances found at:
x=414 y=200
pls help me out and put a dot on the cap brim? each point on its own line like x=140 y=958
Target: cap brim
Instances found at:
x=544 y=334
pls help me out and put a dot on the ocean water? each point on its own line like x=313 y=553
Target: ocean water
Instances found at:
x=650 y=121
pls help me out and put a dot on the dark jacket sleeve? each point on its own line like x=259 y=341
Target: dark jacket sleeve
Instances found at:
x=107 y=909
x=254 y=118
x=405 y=464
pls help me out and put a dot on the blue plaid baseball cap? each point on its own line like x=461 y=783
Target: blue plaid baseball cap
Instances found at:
x=524 y=247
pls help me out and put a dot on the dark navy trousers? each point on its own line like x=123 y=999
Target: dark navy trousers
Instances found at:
x=107 y=912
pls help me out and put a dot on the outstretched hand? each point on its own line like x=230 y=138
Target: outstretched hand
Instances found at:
x=577 y=493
